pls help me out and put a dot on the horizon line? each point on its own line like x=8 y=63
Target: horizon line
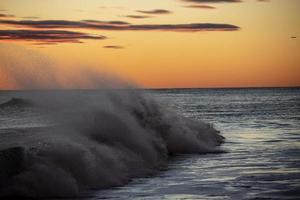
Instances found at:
x=165 y=88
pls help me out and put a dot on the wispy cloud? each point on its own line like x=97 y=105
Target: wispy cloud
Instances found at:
x=200 y=6
x=6 y=15
x=113 y=47
x=138 y=16
x=47 y=36
x=89 y=24
x=155 y=12
x=118 y=25
x=62 y=31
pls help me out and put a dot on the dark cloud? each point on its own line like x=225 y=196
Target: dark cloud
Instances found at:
x=45 y=31
x=185 y=27
x=155 y=12
x=89 y=24
x=138 y=16
x=201 y=6
x=47 y=36
x=113 y=47
x=6 y=15
x=105 y=22
x=118 y=25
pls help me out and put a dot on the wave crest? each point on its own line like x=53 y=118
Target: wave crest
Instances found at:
x=16 y=102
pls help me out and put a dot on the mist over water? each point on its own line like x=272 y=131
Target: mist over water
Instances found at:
x=27 y=69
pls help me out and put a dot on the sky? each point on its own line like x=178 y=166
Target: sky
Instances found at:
x=154 y=44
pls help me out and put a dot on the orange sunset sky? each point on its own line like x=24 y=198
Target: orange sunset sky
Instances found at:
x=153 y=43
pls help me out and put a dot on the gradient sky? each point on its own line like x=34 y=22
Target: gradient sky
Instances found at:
x=157 y=43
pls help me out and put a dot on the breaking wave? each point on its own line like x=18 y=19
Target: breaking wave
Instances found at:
x=96 y=141
x=16 y=102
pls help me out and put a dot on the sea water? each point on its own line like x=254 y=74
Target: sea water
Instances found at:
x=262 y=130
x=260 y=158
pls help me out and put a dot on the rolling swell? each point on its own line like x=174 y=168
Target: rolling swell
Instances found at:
x=98 y=142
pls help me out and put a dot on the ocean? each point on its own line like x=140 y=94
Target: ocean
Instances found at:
x=152 y=145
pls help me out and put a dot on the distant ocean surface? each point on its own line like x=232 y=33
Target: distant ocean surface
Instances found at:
x=261 y=158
